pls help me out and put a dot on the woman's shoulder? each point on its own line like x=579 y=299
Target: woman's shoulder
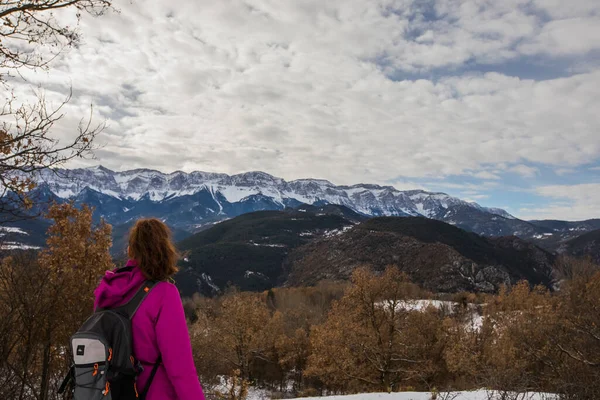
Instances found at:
x=166 y=290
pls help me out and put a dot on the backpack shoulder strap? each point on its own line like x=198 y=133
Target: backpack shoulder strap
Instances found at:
x=144 y=392
x=132 y=305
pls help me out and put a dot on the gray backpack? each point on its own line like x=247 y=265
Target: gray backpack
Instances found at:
x=103 y=365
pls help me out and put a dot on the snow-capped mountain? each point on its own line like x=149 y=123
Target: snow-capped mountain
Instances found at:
x=192 y=200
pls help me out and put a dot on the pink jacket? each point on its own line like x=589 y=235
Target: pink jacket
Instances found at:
x=159 y=328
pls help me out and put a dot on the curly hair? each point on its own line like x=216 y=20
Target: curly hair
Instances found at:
x=150 y=244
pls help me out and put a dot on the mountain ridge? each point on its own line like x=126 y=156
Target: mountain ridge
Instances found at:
x=196 y=200
x=223 y=195
x=69 y=183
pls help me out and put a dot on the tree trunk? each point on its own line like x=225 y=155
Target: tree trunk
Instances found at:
x=46 y=368
x=386 y=380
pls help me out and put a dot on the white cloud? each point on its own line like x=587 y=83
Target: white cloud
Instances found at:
x=572 y=202
x=303 y=88
x=476 y=198
x=486 y=175
x=564 y=171
x=525 y=170
x=404 y=184
x=566 y=37
x=568 y=9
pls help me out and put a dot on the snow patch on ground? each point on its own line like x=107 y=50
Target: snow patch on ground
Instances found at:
x=207 y=278
x=17 y=246
x=12 y=229
x=258 y=394
x=337 y=232
x=253 y=393
x=474 y=322
x=249 y=274
x=266 y=244
x=422 y=305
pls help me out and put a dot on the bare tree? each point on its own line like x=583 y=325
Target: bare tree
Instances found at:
x=29 y=25
x=31 y=37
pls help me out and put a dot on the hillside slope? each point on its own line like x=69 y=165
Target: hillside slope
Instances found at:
x=438 y=256
x=249 y=251
x=586 y=245
x=558 y=233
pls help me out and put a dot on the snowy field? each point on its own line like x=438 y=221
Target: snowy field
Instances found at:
x=474 y=323
x=476 y=395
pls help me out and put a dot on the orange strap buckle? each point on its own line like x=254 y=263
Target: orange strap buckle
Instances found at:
x=95 y=370
x=109 y=354
x=106 y=389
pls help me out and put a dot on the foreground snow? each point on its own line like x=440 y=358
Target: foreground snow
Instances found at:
x=476 y=395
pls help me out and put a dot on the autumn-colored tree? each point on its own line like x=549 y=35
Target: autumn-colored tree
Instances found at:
x=48 y=296
x=230 y=335
x=77 y=253
x=209 y=365
x=31 y=36
x=578 y=336
x=517 y=355
x=569 y=269
x=269 y=330
x=296 y=310
x=371 y=341
x=21 y=304
x=242 y=322
x=293 y=350
x=534 y=340
x=462 y=353
x=310 y=305
x=523 y=339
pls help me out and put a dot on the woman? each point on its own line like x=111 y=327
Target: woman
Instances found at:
x=159 y=327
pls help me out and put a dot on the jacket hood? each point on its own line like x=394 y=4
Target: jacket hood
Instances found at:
x=118 y=286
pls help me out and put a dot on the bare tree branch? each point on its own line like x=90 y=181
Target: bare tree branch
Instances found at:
x=31 y=37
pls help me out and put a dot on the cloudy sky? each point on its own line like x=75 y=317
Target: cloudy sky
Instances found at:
x=493 y=101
